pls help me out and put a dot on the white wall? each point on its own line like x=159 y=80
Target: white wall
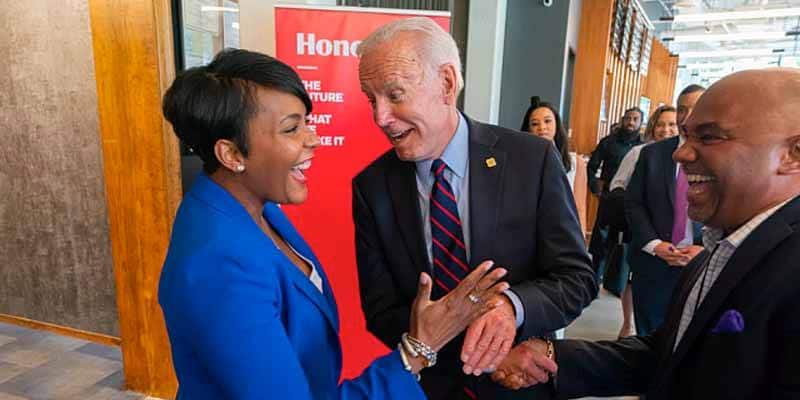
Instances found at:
x=484 y=63
x=257 y=22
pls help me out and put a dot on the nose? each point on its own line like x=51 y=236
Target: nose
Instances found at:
x=312 y=139
x=382 y=113
x=684 y=154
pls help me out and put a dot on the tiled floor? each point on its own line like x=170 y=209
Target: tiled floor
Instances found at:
x=601 y=321
x=38 y=365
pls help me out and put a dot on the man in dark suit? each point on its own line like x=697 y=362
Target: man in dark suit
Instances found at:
x=733 y=328
x=663 y=239
x=454 y=192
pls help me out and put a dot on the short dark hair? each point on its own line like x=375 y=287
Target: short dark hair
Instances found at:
x=637 y=109
x=561 y=139
x=216 y=101
x=691 y=89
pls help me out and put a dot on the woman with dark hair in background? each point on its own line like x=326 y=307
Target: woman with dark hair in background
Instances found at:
x=542 y=119
x=249 y=311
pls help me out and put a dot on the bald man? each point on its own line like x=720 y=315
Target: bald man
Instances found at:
x=733 y=327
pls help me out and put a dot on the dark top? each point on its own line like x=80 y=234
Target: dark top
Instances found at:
x=754 y=359
x=610 y=152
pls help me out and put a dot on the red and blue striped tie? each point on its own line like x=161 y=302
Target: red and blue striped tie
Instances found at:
x=450 y=264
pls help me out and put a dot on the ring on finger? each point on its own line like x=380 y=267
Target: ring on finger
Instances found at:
x=473 y=298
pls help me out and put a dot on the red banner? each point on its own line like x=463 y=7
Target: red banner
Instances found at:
x=320 y=44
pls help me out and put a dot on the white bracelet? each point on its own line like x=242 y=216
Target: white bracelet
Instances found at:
x=404 y=359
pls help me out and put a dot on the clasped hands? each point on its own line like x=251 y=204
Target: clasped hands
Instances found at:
x=487 y=348
x=675 y=256
x=491 y=329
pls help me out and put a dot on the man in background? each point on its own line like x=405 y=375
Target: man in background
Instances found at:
x=609 y=154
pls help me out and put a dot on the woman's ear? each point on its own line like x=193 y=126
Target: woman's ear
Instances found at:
x=229 y=156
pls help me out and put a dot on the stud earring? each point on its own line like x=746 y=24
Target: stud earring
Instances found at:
x=240 y=168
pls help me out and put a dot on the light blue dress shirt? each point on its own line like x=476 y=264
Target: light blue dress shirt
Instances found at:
x=456 y=157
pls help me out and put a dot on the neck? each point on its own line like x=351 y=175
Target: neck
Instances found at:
x=451 y=124
x=777 y=199
x=232 y=183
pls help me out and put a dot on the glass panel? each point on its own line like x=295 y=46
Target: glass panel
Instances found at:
x=208 y=27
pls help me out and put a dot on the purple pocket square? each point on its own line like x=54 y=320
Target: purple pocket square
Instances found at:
x=731 y=321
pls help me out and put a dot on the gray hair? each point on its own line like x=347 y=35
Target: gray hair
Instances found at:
x=438 y=47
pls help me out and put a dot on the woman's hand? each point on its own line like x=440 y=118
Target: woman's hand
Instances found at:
x=437 y=322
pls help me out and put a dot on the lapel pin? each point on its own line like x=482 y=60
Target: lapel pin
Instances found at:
x=491 y=162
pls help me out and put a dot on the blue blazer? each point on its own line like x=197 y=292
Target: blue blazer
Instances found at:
x=245 y=323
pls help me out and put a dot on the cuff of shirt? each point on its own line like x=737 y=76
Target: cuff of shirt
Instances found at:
x=650 y=247
x=517 y=303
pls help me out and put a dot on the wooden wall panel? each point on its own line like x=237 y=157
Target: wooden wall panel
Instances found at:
x=55 y=253
x=603 y=77
x=134 y=63
x=660 y=82
x=589 y=80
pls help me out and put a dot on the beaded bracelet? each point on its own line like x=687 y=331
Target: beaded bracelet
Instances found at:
x=415 y=347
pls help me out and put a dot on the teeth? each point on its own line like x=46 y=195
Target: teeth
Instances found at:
x=398 y=134
x=693 y=178
x=303 y=165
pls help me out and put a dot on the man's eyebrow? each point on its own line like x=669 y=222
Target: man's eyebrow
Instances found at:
x=709 y=128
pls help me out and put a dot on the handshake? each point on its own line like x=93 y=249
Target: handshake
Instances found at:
x=529 y=363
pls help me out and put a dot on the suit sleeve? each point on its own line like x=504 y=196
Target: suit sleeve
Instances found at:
x=642 y=229
x=567 y=282
x=606 y=368
x=385 y=310
x=242 y=344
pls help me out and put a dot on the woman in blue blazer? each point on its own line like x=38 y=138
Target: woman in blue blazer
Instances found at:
x=249 y=311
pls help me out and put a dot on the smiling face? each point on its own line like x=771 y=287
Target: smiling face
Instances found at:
x=414 y=105
x=542 y=123
x=738 y=165
x=281 y=147
x=666 y=126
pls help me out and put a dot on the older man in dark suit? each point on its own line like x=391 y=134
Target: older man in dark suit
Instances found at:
x=454 y=192
x=733 y=328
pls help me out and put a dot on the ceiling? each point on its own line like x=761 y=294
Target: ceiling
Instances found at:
x=714 y=48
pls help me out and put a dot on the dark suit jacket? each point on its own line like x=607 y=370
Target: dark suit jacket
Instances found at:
x=522 y=216
x=761 y=281
x=649 y=200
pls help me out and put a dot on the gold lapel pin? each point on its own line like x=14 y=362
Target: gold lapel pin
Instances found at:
x=491 y=162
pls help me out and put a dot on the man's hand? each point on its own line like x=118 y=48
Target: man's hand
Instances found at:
x=671 y=255
x=690 y=252
x=526 y=365
x=489 y=338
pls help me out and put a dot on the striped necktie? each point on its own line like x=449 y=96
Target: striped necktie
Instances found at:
x=450 y=263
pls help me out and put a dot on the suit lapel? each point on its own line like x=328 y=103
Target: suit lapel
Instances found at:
x=771 y=232
x=673 y=318
x=485 y=190
x=324 y=301
x=402 y=183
